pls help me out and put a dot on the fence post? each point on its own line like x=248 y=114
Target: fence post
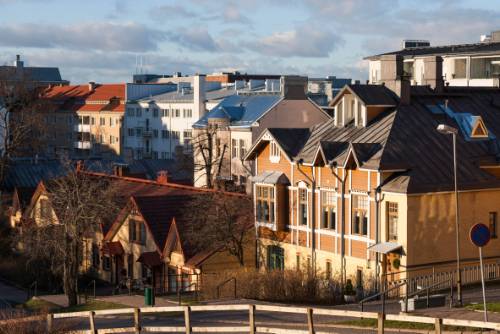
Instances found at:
x=310 y=322
x=187 y=319
x=438 y=326
x=251 y=318
x=137 y=320
x=50 y=322
x=380 y=320
x=93 y=330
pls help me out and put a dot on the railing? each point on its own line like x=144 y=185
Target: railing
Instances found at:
x=383 y=294
x=232 y=279
x=186 y=289
x=427 y=291
x=251 y=326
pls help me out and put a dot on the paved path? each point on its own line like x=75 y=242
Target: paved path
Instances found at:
x=11 y=294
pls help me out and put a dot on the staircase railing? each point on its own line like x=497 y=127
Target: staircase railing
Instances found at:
x=185 y=289
x=220 y=285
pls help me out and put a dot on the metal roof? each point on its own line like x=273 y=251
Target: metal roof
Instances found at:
x=176 y=96
x=385 y=247
x=250 y=109
x=271 y=177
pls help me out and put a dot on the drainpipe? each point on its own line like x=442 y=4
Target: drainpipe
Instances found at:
x=313 y=215
x=332 y=166
x=378 y=201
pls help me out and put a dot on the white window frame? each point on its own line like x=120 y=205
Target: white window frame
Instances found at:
x=274 y=152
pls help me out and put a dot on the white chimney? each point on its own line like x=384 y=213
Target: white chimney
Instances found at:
x=199 y=96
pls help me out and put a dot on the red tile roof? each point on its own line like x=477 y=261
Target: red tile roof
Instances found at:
x=103 y=97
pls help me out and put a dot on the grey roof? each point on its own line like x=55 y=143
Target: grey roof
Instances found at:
x=243 y=110
x=176 y=96
x=290 y=139
x=404 y=140
x=271 y=177
x=385 y=247
x=374 y=94
x=478 y=48
x=40 y=74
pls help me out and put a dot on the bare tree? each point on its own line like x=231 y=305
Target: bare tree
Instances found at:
x=78 y=203
x=222 y=221
x=20 y=119
x=209 y=154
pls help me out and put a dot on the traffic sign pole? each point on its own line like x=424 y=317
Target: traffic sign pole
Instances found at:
x=482 y=283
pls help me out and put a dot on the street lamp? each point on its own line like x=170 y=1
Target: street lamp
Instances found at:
x=449 y=130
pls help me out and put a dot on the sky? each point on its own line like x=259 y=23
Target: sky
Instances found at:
x=104 y=40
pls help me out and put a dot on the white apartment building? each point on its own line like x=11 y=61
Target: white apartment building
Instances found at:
x=476 y=64
x=156 y=126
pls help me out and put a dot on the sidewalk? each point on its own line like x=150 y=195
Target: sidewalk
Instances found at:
x=135 y=300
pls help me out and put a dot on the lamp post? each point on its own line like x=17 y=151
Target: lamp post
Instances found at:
x=449 y=130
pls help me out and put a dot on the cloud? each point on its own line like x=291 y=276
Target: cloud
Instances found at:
x=303 y=41
x=195 y=39
x=165 y=13
x=232 y=14
x=97 y=35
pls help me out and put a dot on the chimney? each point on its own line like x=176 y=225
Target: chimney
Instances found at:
x=162 y=177
x=91 y=86
x=433 y=73
x=294 y=87
x=199 y=96
x=19 y=63
x=495 y=36
x=391 y=76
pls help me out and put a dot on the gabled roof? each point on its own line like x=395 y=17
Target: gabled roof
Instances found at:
x=38 y=74
x=243 y=110
x=22 y=198
x=370 y=95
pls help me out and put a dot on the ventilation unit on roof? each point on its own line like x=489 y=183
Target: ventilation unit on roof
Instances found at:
x=415 y=43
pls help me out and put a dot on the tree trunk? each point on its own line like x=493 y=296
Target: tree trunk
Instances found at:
x=70 y=277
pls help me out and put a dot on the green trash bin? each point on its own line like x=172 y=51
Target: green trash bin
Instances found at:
x=149 y=297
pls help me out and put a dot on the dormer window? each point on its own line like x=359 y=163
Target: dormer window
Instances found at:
x=274 y=154
x=479 y=130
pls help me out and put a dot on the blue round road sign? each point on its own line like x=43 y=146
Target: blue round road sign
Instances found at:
x=480 y=235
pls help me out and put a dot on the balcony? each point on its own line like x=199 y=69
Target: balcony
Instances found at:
x=146 y=154
x=81 y=128
x=148 y=133
x=82 y=145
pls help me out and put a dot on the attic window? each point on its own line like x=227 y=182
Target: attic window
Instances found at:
x=274 y=154
x=479 y=130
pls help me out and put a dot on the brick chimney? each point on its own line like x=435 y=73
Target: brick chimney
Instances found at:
x=162 y=177
x=433 y=73
x=391 y=75
x=294 y=87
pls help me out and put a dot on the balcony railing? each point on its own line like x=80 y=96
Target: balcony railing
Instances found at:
x=81 y=127
x=82 y=145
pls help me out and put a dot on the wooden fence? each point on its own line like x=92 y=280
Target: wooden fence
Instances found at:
x=252 y=326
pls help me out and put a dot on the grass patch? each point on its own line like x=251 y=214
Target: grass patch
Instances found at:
x=372 y=323
x=38 y=305
x=93 y=305
x=491 y=307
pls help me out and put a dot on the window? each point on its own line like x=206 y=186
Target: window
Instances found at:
x=359 y=114
x=188 y=134
x=164 y=133
x=460 y=69
x=83 y=120
x=275 y=152
x=155 y=154
x=44 y=208
x=328 y=209
x=155 y=112
x=155 y=133
x=176 y=134
x=360 y=215
x=92 y=121
x=106 y=263
x=102 y=121
x=275 y=258
x=111 y=139
x=95 y=256
x=303 y=206
x=265 y=204
x=130 y=132
x=243 y=150
x=187 y=113
x=392 y=221
x=234 y=148
x=131 y=112
x=243 y=180
x=111 y=121
x=137 y=231
x=138 y=112
x=493 y=225
x=138 y=132
x=176 y=113
x=164 y=155
x=165 y=112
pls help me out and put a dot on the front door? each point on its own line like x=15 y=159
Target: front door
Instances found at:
x=118 y=268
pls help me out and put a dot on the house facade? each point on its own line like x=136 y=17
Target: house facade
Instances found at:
x=238 y=120
x=369 y=194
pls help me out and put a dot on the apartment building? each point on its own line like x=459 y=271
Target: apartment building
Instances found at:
x=239 y=119
x=159 y=125
x=476 y=64
x=369 y=193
